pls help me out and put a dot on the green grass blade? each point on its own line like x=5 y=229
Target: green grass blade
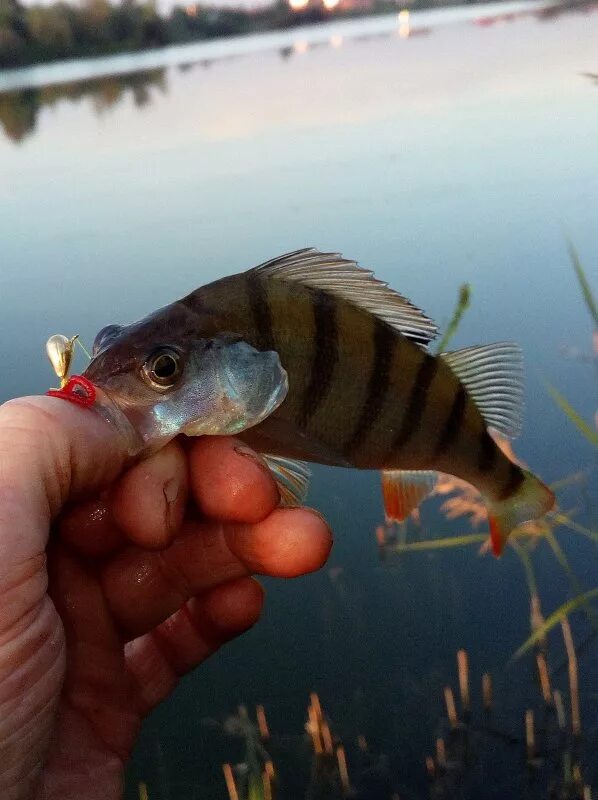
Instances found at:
x=573 y=579
x=554 y=619
x=575 y=418
x=562 y=559
x=567 y=522
x=441 y=544
x=463 y=302
x=570 y=480
x=256 y=788
x=583 y=282
x=530 y=575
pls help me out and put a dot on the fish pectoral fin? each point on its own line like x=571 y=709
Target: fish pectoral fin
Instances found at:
x=493 y=376
x=404 y=489
x=334 y=275
x=292 y=478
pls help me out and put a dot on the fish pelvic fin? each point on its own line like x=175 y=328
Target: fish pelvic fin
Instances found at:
x=403 y=490
x=292 y=478
x=530 y=501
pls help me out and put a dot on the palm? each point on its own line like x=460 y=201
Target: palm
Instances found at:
x=140 y=588
x=99 y=713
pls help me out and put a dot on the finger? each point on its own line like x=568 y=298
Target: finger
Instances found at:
x=50 y=451
x=145 y=506
x=144 y=588
x=160 y=658
x=57 y=450
x=89 y=528
x=148 y=502
x=229 y=481
x=97 y=684
x=288 y=543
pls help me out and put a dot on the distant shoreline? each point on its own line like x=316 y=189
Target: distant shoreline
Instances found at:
x=86 y=68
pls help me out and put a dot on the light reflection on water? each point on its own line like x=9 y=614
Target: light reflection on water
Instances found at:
x=464 y=155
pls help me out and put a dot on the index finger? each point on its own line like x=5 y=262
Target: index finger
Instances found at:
x=229 y=481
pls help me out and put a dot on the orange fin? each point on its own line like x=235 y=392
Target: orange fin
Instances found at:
x=403 y=490
x=497 y=536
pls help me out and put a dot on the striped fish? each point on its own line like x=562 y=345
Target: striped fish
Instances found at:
x=308 y=357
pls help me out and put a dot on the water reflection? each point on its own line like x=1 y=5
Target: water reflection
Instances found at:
x=566 y=7
x=19 y=111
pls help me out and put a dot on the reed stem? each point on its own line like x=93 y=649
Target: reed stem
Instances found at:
x=463 y=669
x=573 y=677
x=451 y=709
x=229 y=778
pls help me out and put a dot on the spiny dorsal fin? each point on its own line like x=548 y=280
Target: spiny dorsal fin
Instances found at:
x=493 y=376
x=344 y=279
x=292 y=478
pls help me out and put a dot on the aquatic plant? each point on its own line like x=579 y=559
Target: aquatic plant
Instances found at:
x=254 y=777
x=327 y=770
x=463 y=303
x=549 y=740
x=584 y=284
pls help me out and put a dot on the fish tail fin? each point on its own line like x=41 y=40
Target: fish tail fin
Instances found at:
x=403 y=490
x=531 y=500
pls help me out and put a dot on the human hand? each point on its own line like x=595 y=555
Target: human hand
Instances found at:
x=115 y=582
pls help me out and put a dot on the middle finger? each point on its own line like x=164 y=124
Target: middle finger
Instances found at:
x=143 y=588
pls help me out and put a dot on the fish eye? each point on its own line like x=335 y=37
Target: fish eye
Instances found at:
x=163 y=368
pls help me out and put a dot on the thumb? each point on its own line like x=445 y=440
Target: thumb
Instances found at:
x=51 y=451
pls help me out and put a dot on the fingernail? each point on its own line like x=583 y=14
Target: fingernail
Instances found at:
x=170 y=490
x=247 y=452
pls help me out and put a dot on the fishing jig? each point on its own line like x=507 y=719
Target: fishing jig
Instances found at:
x=75 y=388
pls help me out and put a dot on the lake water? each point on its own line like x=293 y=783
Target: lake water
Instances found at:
x=437 y=154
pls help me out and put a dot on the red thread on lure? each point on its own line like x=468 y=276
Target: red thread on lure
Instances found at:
x=78 y=390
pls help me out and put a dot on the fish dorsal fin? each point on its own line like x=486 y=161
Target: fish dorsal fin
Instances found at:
x=344 y=279
x=292 y=478
x=493 y=376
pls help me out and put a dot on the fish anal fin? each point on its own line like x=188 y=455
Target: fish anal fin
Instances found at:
x=344 y=279
x=493 y=377
x=403 y=491
x=292 y=478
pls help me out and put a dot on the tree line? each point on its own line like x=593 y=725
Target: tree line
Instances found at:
x=36 y=33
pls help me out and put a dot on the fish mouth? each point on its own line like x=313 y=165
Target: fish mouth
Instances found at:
x=80 y=391
x=110 y=411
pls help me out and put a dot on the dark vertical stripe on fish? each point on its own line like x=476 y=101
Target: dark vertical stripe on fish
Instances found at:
x=416 y=405
x=384 y=344
x=454 y=422
x=325 y=356
x=513 y=482
x=260 y=309
x=488 y=452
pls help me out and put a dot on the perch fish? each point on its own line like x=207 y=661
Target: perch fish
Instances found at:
x=309 y=357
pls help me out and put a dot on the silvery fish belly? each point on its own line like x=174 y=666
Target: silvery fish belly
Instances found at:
x=310 y=357
x=209 y=387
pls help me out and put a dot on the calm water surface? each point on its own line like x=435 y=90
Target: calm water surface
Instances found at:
x=465 y=153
